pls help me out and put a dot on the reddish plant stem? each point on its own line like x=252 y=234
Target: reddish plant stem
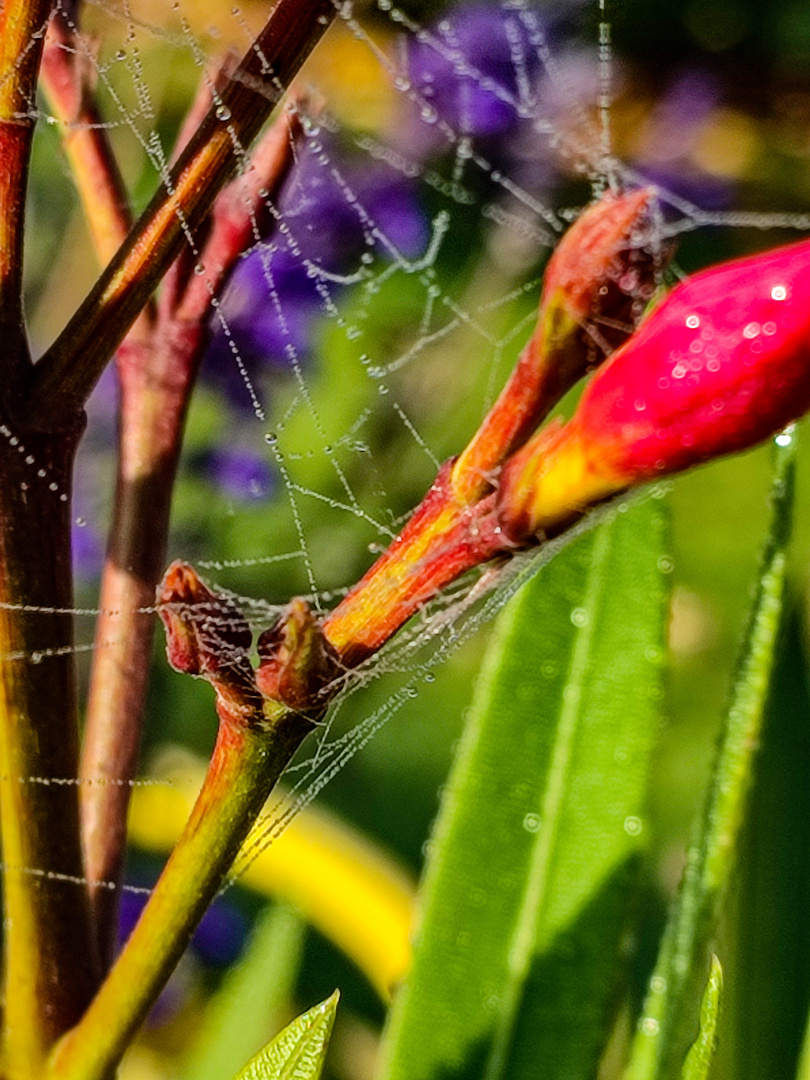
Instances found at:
x=442 y=540
x=156 y=378
x=67 y=82
x=67 y=373
x=22 y=30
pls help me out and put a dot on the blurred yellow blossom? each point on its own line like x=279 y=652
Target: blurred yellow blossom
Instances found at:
x=351 y=891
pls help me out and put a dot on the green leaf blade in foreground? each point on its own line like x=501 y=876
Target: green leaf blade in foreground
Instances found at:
x=668 y=1018
x=533 y=861
x=299 y=1051
x=699 y=1059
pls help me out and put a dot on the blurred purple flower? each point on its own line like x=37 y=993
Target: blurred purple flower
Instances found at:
x=87 y=549
x=334 y=215
x=665 y=153
x=240 y=473
x=217 y=941
x=475 y=66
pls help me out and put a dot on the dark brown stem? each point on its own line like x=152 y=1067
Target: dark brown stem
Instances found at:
x=50 y=965
x=69 y=370
x=156 y=379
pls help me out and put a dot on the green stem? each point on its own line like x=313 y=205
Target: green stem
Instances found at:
x=245 y=765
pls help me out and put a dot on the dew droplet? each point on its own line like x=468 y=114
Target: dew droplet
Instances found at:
x=658 y=984
x=80 y=521
x=579 y=617
x=271 y=438
x=649 y=1025
x=633 y=825
x=531 y=823
x=778 y=292
x=751 y=330
x=693 y=322
x=223 y=112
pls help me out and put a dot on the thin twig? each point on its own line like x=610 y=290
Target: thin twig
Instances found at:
x=67 y=373
x=156 y=379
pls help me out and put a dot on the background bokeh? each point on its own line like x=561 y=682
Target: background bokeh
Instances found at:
x=710 y=99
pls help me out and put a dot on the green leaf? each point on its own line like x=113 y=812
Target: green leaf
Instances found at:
x=765 y=929
x=532 y=864
x=663 y=1031
x=699 y=1059
x=299 y=1051
x=252 y=998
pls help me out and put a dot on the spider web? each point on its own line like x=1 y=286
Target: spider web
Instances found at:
x=451 y=184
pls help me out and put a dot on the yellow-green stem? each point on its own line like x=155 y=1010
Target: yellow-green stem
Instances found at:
x=244 y=768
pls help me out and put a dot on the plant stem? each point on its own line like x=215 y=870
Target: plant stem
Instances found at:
x=245 y=765
x=156 y=376
x=22 y=31
x=154 y=396
x=67 y=373
x=50 y=969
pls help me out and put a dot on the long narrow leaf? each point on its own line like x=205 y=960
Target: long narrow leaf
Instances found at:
x=299 y=1051
x=663 y=1031
x=529 y=876
x=765 y=929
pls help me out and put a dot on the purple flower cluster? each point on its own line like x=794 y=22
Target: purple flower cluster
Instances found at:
x=476 y=75
x=478 y=67
x=239 y=472
x=336 y=218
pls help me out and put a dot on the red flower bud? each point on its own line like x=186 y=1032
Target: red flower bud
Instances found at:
x=722 y=364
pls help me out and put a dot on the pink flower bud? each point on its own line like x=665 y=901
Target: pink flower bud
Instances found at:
x=722 y=364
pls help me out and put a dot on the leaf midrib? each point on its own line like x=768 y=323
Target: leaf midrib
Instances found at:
x=535 y=894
